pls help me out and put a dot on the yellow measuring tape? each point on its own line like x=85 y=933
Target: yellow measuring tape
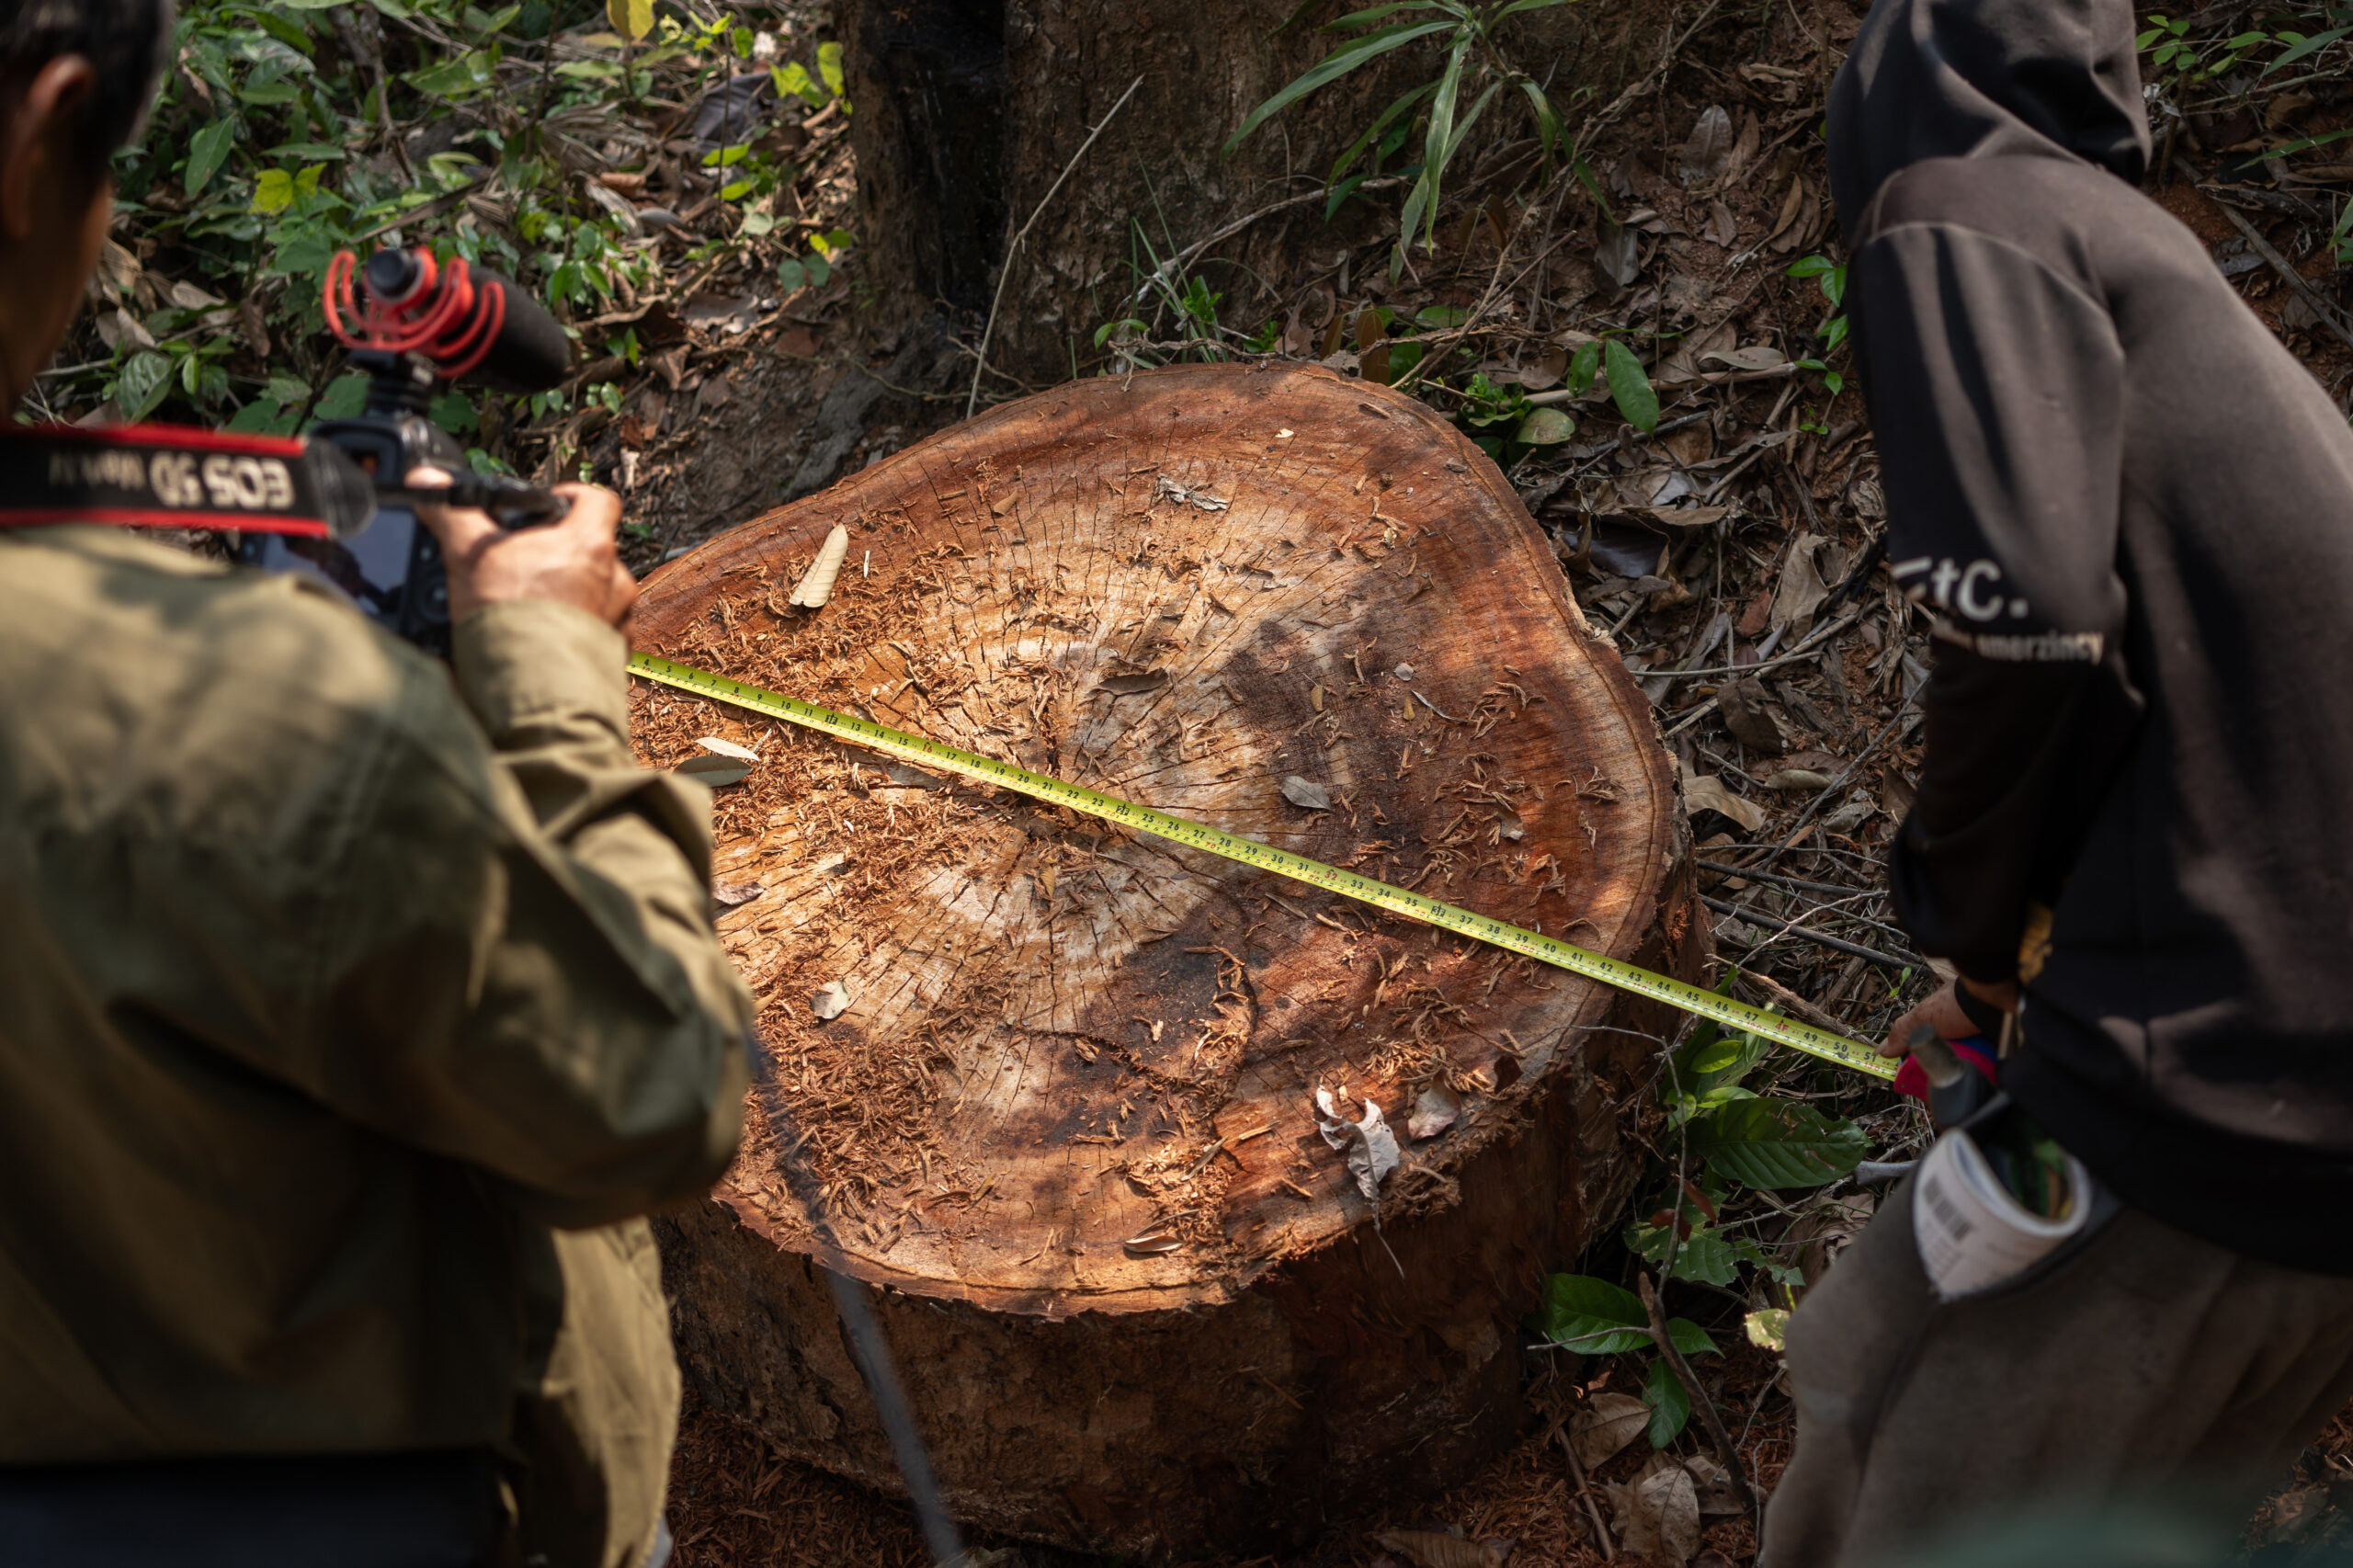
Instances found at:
x=1778 y=1026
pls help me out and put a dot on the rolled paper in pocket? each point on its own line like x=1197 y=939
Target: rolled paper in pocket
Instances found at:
x=1972 y=1232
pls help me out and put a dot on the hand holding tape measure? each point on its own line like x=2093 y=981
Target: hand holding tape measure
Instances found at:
x=1681 y=994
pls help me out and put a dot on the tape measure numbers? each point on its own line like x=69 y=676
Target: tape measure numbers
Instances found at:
x=1688 y=998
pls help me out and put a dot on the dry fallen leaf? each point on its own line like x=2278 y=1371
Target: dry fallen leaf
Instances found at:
x=1713 y=1485
x=1701 y=158
x=1135 y=682
x=1658 y=1513
x=817 y=584
x=1306 y=796
x=1756 y=357
x=1801 y=589
x=730 y=894
x=1429 y=1548
x=1708 y=794
x=1371 y=1147
x=1721 y=228
x=717 y=772
x=1618 y=256
x=1604 y=1426
x=1435 y=1111
x=1750 y=719
x=1796 y=778
x=832 y=1001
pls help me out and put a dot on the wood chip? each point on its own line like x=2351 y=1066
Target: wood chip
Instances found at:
x=817 y=584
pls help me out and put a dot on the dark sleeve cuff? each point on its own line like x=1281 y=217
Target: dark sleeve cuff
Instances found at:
x=1988 y=1018
x=526 y=662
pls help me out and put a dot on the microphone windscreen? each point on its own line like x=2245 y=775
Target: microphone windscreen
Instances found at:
x=531 y=353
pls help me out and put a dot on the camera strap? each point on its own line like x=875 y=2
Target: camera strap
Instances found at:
x=172 y=476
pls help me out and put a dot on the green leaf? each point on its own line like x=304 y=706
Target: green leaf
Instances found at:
x=821 y=271
x=1812 y=267
x=345 y=396
x=589 y=69
x=1372 y=14
x=206 y=151
x=632 y=19
x=1670 y=1405
x=263 y=417
x=1333 y=66
x=270 y=93
x=454 y=412
x=758 y=224
x=829 y=68
x=1581 y=365
x=1629 y=387
x=1775 y=1143
x=1690 y=1338
x=1441 y=316
x=1437 y=141
x=1545 y=428
x=794 y=77
x=1548 y=119
x=1767 y=1328
x=1518 y=6
x=2308 y=144
x=291 y=390
x=469 y=72
x=1703 y=1255
x=791 y=277
x=1591 y=1315
x=144 y=381
x=273 y=191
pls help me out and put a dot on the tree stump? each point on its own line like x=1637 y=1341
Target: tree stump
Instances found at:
x=1065 y=1124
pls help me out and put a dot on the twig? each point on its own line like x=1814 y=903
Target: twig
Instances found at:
x=2293 y=278
x=1792 y=929
x=1585 y=1490
x=1726 y=1455
x=981 y=359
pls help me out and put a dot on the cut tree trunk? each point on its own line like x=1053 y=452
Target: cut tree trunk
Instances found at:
x=968 y=111
x=1065 y=1124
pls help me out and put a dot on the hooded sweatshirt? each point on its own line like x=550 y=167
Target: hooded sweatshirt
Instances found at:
x=2129 y=512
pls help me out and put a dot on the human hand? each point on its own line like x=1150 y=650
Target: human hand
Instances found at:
x=571 y=561
x=1942 y=1012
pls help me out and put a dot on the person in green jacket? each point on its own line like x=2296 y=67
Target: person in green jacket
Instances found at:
x=354 y=1008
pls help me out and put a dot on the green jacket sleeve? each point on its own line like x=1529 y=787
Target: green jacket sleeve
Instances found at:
x=518 y=966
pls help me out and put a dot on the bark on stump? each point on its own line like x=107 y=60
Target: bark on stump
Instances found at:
x=1181 y=589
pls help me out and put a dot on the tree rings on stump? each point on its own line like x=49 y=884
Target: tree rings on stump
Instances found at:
x=1063 y=1106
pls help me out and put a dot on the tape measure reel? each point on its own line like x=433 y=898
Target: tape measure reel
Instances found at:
x=1680 y=994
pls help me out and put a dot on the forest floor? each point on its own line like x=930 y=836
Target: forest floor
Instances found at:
x=1729 y=550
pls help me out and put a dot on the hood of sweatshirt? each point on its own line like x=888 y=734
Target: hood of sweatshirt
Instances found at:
x=1984 y=78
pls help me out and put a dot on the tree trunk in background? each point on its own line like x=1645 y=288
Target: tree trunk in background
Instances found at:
x=1066 y=1120
x=967 y=110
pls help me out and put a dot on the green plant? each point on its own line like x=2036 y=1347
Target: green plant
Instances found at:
x=2178 y=59
x=1622 y=370
x=1503 y=423
x=1593 y=1317
x=291 y=131
x=1476 y=69
x=1729 y=1140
